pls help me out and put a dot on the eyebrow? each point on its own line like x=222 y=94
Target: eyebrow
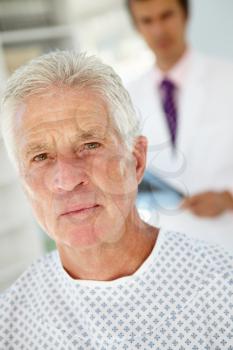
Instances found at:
x=86 y=135
x=34 y=148
x=96 y=132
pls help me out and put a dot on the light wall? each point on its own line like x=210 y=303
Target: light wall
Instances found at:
x=211 y=28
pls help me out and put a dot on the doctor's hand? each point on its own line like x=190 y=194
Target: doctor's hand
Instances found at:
x=209 y=204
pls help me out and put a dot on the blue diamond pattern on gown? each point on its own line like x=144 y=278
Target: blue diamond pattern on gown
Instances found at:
x=181 y=298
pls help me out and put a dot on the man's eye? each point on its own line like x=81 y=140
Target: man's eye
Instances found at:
x=168 y=15
x=146 y=20
x=91 y=145
x=40 y=157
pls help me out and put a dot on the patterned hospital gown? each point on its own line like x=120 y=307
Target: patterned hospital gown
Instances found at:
x=180 y=298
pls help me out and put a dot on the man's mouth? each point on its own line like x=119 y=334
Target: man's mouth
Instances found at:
x=80 y=209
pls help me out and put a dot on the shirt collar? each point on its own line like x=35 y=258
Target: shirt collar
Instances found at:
x=178 y=73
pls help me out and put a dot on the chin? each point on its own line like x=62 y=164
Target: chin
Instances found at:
x=78 y=238
x=82 y=236
x=91 y=231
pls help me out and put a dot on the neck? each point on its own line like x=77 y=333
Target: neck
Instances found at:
x=106 y=262
x=166 y=64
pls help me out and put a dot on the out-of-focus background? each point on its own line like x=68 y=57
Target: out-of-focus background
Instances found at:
x=29 y=28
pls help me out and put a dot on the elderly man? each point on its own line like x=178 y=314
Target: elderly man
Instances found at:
x=114 y=282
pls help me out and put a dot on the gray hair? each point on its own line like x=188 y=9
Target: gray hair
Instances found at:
x=73 y=69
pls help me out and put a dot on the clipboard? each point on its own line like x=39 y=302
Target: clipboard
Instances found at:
x=152 y=183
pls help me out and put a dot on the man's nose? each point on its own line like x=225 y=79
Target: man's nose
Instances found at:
x=157 y=28
x=66 y=174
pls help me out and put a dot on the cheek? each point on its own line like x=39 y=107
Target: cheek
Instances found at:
x=37 y=182
x=177 y=28
x=112 y=227
x=38 y=195
x=114 y=175
x=149 y=36
x=34 y=184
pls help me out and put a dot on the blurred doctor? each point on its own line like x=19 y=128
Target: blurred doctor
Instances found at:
x=184 y=102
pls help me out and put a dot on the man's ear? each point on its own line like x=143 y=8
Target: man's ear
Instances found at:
x=140 y=154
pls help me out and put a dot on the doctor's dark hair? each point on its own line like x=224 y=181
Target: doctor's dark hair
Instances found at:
x=184 y=4
x=78 y=71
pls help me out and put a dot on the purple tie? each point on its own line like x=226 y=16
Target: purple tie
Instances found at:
x=168 y=90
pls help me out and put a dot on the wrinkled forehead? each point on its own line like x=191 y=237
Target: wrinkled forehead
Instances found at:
x=62 y=109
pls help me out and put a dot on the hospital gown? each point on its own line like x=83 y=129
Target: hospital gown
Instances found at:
x=181 y=297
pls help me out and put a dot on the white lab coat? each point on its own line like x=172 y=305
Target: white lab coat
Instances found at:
x=204 y=157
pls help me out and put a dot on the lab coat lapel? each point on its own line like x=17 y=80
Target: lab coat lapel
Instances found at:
x=153 y=122
x=191 y=105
